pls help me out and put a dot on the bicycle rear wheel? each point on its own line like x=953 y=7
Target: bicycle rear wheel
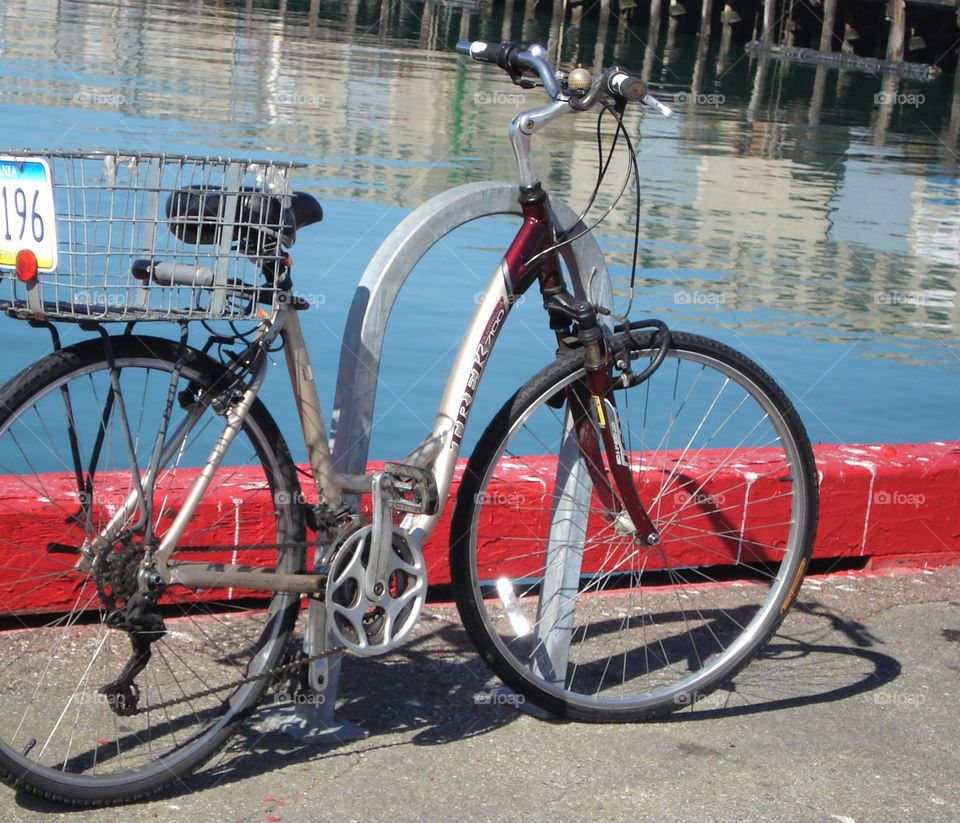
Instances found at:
x=566 y=605
x=65 y=441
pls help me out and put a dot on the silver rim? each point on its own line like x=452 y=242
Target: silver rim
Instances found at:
x=634 y=604
x=55 y=669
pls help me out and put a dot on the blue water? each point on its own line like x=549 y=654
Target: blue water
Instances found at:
x=786 y=214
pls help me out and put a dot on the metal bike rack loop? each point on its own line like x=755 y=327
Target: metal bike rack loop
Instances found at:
x=352 y=417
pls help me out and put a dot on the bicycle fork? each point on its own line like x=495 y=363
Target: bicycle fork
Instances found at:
x=627 y=514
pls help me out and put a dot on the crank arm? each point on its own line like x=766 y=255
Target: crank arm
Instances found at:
x=396 y=487
x=381 y=538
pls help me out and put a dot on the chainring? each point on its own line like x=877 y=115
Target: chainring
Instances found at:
x=371 y=626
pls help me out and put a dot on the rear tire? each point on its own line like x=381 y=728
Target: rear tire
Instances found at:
x=575 y=614
x=59 y=739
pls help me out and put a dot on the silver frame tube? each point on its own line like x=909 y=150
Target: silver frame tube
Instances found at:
x=329 y=484
x=455 y=405
x=438 y=451
x=235 y=417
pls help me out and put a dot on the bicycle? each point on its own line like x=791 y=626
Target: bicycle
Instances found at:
x=596 y=520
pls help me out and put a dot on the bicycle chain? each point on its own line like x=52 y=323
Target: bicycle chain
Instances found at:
x=283 y=668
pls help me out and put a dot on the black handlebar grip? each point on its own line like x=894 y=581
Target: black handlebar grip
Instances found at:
x=503 y=55
x=480 y=50
x=628 y=87
x=142 y=269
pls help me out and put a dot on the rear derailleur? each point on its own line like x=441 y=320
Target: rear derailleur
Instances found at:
x=118 y=575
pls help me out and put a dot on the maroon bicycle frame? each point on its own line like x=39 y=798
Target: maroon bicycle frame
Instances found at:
x=593 y=405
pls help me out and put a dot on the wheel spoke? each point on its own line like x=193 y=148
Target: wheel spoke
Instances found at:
x=77 y=424
x=725 y=469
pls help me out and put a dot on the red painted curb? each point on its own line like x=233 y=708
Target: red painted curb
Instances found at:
x=898 y=505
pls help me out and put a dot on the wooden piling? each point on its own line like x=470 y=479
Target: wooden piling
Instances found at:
x=385 y=9
x=650 y=52
x=655 y=11
x=726 y=37
x=706 y=12
x=829 y=24
x=602 y=27
x=507 y=20
x=699 y=67
x=529 y=32
x=353 y=8
x=670 y=46
x=555 y=37
x=466 y=18
x=897 y=10
x=428 y=29
x=769 y=20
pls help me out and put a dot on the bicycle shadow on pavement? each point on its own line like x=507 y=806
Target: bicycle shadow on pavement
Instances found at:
x=428 y=692
x=421 y=694
x=435 y=690
x=818 y=656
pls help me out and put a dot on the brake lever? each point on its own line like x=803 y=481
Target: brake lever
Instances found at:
x=524 y=81
x=651 y=102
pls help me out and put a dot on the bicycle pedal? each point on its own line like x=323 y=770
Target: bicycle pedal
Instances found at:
x=416 y=487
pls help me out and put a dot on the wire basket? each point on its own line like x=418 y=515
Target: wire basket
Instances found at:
x=137 y=236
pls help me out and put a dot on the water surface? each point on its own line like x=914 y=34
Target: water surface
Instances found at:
x=807 y=217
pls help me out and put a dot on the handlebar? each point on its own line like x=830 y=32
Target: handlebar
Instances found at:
x=519 y=61
x=626 y=86
x=515 y=59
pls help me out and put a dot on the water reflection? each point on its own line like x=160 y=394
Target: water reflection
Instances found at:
x=807 y=201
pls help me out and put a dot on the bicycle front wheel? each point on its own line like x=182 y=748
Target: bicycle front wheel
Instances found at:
x=563 y=601
x=66 y=440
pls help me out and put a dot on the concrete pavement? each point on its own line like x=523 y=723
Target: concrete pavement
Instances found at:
x=851 y=716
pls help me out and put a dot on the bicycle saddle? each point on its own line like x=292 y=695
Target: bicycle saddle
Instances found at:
x=196 y=216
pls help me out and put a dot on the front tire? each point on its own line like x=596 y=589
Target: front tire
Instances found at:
x=566 y=605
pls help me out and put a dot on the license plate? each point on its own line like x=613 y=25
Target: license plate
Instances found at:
x=27 y=216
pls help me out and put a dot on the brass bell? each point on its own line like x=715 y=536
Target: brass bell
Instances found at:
x=580 y=79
